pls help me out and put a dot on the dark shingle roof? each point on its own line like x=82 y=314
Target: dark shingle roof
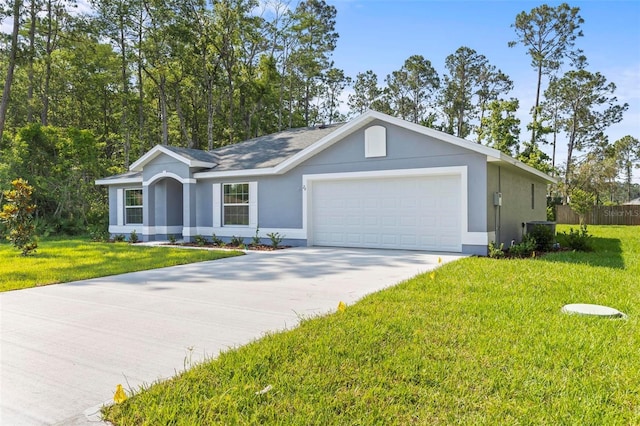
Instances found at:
x=127 y=175
x=194 y=154
x=268 y=151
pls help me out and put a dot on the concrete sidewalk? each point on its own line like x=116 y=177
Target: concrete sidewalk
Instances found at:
x=64 y=348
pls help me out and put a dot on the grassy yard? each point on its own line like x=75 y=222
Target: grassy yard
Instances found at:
x=483 y=342
x=64 y=260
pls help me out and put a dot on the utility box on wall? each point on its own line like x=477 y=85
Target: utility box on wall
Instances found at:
x=497 y=198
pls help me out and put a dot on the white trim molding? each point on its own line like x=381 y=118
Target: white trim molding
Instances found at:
x=126 y=229
x=166 y=174
x=476 y=238
x=167 y=230
x=120 y=181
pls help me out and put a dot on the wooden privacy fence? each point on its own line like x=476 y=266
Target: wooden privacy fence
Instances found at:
x=601 y=215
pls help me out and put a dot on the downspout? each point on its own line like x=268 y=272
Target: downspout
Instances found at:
x=498 y=218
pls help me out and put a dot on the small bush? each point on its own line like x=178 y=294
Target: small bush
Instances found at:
x=216 y=241
x=200 y=240
x=120 y=238
x=255 y=240
x=496 y=252
x=275 y=238
x=172 y=239
x=98 y=233
x=133 y=237
x=237 y=241
x=578 y=240
x=524 y=249
x=543 y=235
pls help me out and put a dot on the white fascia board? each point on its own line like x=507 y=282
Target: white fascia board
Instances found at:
x=159 y=149
x=235 y=173
x=510 y=160
x=122 y=181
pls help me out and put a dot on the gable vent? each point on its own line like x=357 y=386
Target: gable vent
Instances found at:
x=375 y=142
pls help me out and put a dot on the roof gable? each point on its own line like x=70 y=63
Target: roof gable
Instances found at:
x=190 y=157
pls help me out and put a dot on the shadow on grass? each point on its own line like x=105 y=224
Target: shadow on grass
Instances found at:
x=607 y=253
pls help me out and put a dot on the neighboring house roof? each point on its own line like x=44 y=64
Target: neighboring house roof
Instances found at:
x=280 y=152
x=634 y=202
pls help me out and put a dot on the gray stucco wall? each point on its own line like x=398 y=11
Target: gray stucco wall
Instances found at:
x=164 y=163
x=516 y=208
x=280 y=197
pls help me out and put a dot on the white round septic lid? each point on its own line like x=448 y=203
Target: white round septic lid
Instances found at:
x=595 y=310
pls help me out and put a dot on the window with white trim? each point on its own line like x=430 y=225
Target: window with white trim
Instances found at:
x=133 y=206
x=235 y=204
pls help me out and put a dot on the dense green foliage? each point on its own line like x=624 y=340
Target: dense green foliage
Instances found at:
x=483 y=342
x=64 y=260
x=92 y=90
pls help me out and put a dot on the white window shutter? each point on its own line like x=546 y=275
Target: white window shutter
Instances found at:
x=217 y=205
x=253 y=204
x=120 y=206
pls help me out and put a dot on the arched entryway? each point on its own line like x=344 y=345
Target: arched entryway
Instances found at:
x=167 y=205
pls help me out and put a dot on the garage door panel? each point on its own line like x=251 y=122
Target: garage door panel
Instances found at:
x=421 y=213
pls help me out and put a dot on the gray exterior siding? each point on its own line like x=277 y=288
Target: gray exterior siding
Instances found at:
x=506 y=221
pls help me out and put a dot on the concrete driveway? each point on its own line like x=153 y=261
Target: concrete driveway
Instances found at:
x=64 y=348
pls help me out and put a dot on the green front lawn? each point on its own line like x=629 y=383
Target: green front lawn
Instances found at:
x=483 y=342
x=64 y=260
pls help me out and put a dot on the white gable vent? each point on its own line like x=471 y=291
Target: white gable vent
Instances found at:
x=375 y=142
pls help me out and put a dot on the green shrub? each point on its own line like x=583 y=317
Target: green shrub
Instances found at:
x=578 y=239
x=275 y=238
x=172 y=238
x=255 y=240
x=200 y=240
x=120 y=238
x=17 y=215
x=237 y=241
x=524 y=249
x=543 y=235
x=216 y=241
x=133 y=237
x=496 y=252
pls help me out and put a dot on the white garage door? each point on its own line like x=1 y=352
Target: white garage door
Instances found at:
x=414 y=213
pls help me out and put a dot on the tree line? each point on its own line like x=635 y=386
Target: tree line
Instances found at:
x=86 y=93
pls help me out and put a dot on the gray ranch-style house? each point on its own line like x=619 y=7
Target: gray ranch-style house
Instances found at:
x=376 y=181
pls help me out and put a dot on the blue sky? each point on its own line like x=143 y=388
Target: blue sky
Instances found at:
x=380 y=34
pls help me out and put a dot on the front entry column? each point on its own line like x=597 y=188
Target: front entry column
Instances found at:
x=189 y=226
x=148 y=213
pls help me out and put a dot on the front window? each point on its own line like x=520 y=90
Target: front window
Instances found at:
x=133 y=206
x=235 y=204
